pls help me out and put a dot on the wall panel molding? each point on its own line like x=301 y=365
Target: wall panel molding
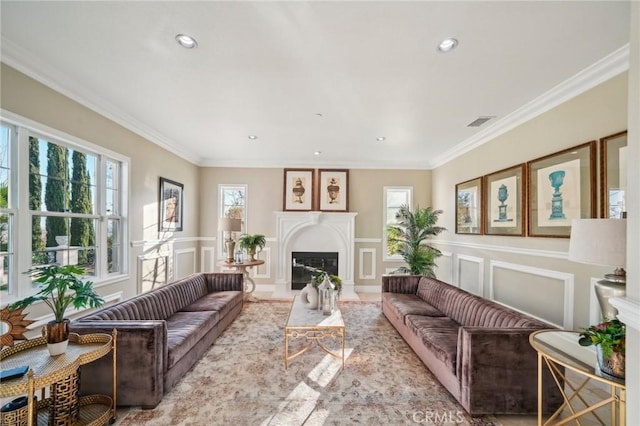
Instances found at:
x=459 y=259
x=566 y=279
x=207 y=259
x=506 y=249
x=265 y=255
x=371 y=252
x=182 y=252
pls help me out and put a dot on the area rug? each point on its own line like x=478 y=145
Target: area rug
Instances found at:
x=242 y=379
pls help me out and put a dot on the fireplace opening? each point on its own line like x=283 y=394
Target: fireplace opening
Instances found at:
x=302 y=261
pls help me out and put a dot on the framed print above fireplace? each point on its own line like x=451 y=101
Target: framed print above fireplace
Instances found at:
x=298 y=190
x=333 y=190
x=561 y=187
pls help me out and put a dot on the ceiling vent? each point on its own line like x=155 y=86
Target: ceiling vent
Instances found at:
x=479 y=121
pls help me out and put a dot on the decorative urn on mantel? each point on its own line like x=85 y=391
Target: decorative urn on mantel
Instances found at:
x=60 y=287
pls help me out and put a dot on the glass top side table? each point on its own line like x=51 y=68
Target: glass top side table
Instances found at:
x=557 y=349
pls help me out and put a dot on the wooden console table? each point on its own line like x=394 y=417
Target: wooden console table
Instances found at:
x=243 y=267
x=559 y=349
x=60 y=373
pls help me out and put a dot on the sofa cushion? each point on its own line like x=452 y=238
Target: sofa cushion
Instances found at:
x=402 y=305
x=185 y=329
x=221 y=301
x=439 y=335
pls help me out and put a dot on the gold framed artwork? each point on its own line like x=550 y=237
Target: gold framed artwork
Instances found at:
x=298 y=189
x=469 y=207
x=170 y=215
x=504 y=201
x=333 y=190
x=561 y=187
x=613 y=176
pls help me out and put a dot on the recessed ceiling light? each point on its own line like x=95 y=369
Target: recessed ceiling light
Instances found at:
x=252 y=137
x=447 y=45
x=317 y=153
x=381 y=138
x=186 y=41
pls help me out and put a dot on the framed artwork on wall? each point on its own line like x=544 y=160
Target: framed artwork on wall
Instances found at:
x=504 y=201
x=469 y=207
x=333 y=190
x=170 y=214
x=613 y=176
x=298 y=189
x=561 y=187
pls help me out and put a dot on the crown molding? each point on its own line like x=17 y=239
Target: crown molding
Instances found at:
x=599 y=72
x=595 y=74
x=34 y=67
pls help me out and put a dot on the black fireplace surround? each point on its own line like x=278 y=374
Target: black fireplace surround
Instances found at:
x=300 y=276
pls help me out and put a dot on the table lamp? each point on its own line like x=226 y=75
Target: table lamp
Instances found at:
x=230 y=225
x=602 y=242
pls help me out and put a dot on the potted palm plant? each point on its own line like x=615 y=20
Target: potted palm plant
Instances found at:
x=60 y=287
x=251 y=242
x=409 y=236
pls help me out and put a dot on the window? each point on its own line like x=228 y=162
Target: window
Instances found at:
x=72 y=204
x=7 y=212
x=393 y=197
x=233 y=203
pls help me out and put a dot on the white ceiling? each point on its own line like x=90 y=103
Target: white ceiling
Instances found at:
x=269 y=68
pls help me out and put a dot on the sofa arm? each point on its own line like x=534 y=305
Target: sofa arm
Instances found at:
x=498 y=372
x=224 y=281
x=142 y=357
x=407 y=284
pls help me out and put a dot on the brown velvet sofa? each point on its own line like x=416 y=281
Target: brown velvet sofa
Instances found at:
x=478 y=349
x=161 y=334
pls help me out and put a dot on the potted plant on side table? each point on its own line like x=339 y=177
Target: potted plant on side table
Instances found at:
x=60 y=287
x=609 y=337
x=251 y=242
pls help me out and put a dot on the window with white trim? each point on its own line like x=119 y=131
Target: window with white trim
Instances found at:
x=233 y=204
x=393 y=198
x=72 y=204
x=7 y=211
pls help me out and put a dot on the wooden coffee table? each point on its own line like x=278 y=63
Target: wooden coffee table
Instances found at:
x=312 y=325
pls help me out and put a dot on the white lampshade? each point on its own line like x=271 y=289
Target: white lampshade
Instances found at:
x=228 y=224
x=599 y=242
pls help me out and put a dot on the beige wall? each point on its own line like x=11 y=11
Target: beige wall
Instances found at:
x=26 y=97
x=594 y=114
x=530 y=265
x=265 y=191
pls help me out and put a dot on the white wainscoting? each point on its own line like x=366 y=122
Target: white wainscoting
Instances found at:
x=144 y=258
x=207 y=259
x=177 y=273
x=444 y=271
x=461 y=279
x=265 y=255
x=370 y=254
x=567 y=281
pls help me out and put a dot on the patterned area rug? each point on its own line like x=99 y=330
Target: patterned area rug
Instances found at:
x=241 y=380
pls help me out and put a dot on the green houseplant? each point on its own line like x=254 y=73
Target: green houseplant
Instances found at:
x=408 y=236
x=317 y=279
x=251 y=242
x=609 y=337
x=60 y=287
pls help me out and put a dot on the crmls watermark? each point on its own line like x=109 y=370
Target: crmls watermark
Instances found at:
x=429 y=417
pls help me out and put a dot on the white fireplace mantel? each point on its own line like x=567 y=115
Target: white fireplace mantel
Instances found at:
x=319 y=232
